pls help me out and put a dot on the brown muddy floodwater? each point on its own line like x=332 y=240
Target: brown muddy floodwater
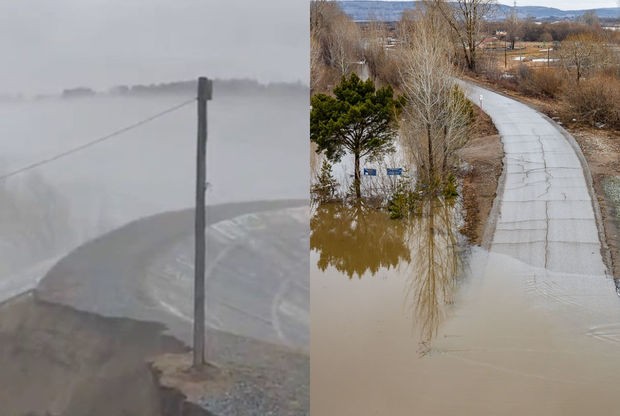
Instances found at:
x=400 y=327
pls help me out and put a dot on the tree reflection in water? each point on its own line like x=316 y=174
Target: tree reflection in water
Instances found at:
x=435 y=265
x=356 y=240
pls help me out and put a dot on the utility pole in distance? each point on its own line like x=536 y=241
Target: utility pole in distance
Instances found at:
x=204 y=94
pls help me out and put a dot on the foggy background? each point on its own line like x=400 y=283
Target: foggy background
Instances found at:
x=50 y=45
x=257 y=144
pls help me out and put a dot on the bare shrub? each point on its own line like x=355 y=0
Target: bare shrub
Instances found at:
x=489 y=66
x=389 y=72
x=540 y=82
x=595 y=101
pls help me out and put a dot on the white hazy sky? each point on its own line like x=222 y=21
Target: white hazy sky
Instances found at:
x=46 y=46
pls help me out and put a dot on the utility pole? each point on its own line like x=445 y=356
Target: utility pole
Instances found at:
x=204 y=94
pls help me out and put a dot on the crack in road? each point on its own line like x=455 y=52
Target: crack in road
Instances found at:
x=534 y=146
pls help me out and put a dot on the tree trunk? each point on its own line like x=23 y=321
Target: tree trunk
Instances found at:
x=431 y=164
x=356 y=180
x=444 y=165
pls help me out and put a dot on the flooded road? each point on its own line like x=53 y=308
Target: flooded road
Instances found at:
x=146 y=171
x=107 y=233
x=506 y=338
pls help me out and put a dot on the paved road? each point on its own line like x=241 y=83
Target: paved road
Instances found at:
x=546 y=216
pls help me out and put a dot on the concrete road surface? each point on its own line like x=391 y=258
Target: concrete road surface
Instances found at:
x=546 y=216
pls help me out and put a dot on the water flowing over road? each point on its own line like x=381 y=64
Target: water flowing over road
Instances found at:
x=256 y=276
x=49 y=211
x=102 y=241
x=529 y=326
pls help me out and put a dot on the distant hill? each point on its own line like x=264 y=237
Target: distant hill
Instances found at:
x=390 y=11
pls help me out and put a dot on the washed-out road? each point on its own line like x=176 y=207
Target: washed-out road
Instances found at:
x=256 y=277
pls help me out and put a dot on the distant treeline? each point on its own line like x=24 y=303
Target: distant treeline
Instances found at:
x=227 y=87
x=220 y=88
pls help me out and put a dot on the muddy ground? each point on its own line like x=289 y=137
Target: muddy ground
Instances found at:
x=57 y=361
x=483 y=165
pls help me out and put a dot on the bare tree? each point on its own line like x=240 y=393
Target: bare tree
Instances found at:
x=514 y=29
x=375 y=55
x=465 y=18
x=435 y=266
x=406 y=24
x=590 y=18
x=437 y=116
x=316 y=72
x=318 y=9
x=583 y=52
x=344 y=44
x=335 y=43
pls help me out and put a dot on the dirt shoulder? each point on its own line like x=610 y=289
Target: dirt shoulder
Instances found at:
x=483 y=166
x=602 y=152
x=601 y=149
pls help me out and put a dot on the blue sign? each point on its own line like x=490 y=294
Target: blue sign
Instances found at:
x=394 y=171
x=370 y=172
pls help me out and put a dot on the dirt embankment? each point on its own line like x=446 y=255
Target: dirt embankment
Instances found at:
x=58 y=361
x=483 y=156
x=602 y=152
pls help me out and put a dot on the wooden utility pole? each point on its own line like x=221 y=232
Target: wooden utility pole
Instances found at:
x=204 y=94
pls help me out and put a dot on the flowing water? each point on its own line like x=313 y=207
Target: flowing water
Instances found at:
x=434 y=330
x=47 y=211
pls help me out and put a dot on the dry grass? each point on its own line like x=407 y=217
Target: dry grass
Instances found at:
x=541 y=82
x=594 y=101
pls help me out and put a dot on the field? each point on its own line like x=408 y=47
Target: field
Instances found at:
x=537 y=54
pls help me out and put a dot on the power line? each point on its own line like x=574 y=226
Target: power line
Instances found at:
x=96 y=141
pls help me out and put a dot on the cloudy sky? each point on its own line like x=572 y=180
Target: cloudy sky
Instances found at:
x=50 y=45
